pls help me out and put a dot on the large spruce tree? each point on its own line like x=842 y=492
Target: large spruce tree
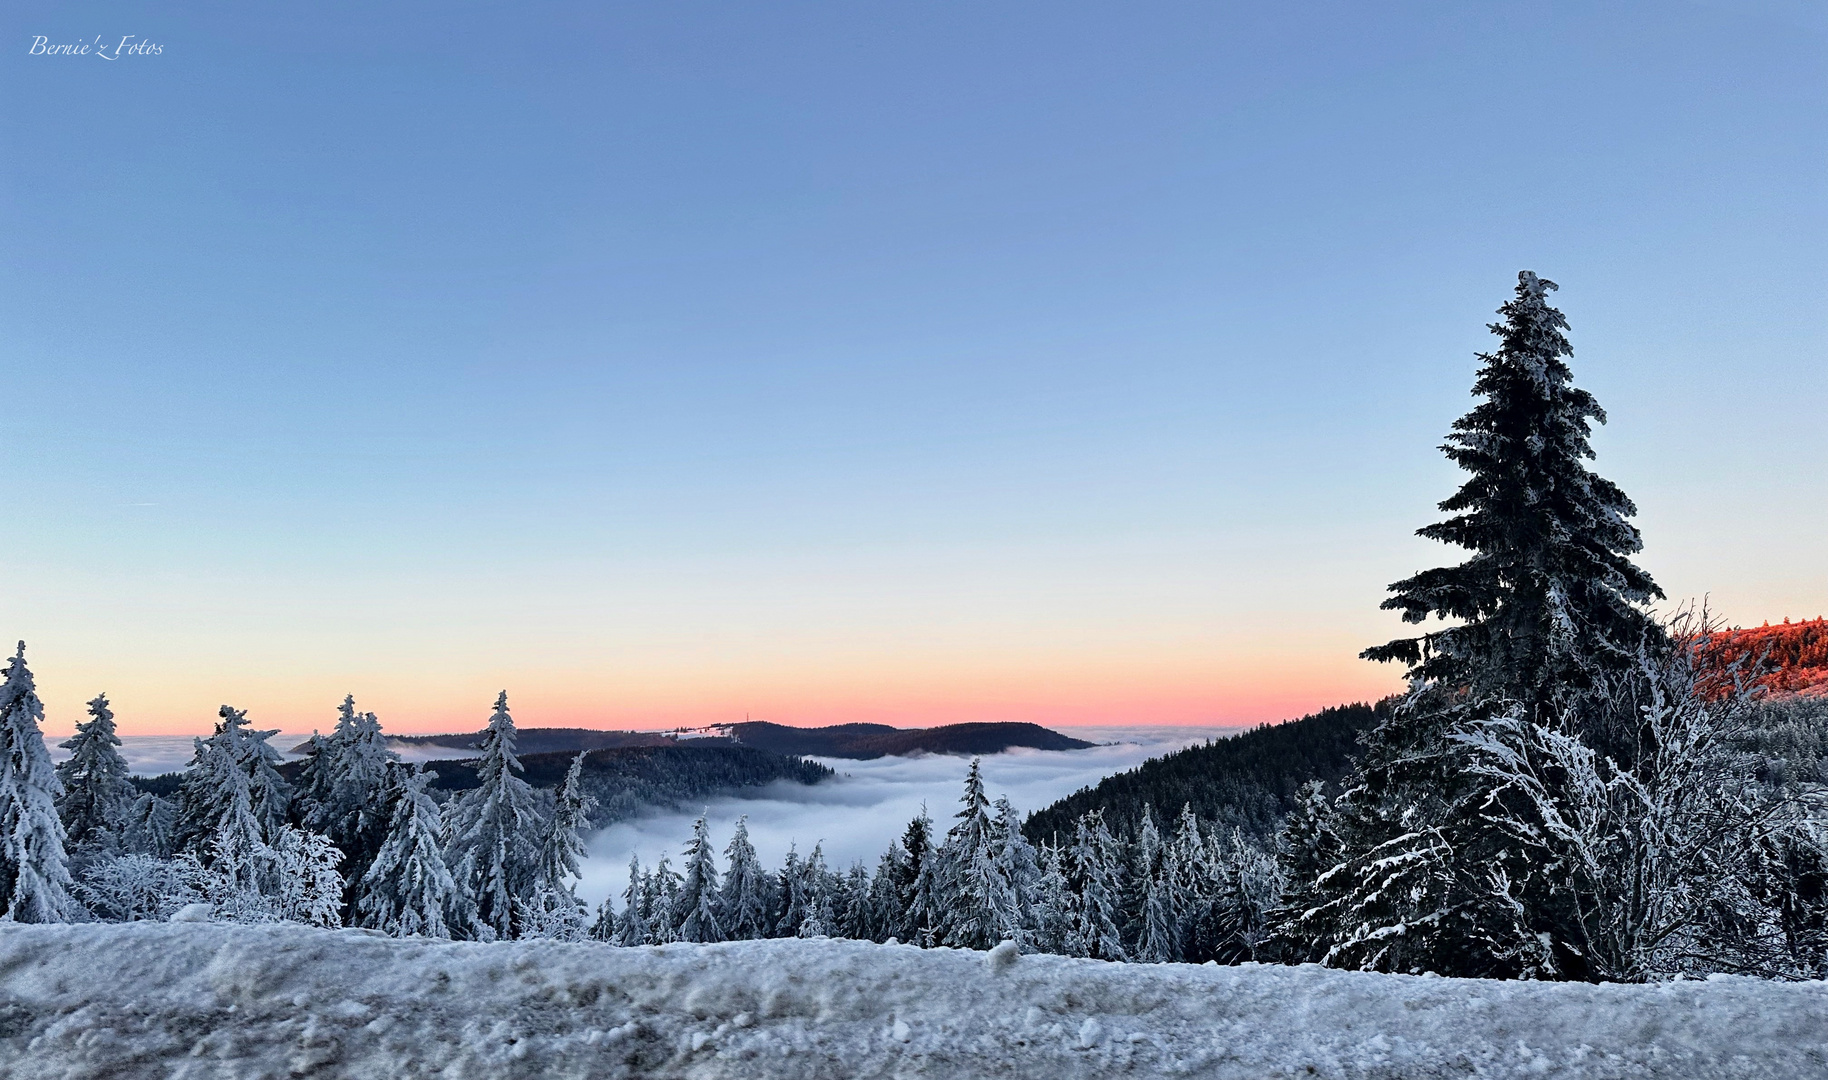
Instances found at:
x=1548 y=606
x=408 y=888
x=1549 y=598
x=97 y=795
x=494 y=830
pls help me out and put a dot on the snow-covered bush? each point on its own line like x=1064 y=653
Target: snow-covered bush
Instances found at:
x=139 y=887
x=1650 y=867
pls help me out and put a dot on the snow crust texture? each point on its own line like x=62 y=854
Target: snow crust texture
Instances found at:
x=197 y=1000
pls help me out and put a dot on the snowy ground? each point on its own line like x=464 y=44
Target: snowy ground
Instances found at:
x=208 y=1000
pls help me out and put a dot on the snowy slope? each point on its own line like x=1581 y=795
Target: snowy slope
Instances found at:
x=209 y=1000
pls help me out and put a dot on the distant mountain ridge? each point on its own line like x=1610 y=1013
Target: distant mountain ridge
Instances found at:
x=865 y=741
x=856 y=741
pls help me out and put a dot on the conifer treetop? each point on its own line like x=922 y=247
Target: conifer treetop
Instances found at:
x=499 y=741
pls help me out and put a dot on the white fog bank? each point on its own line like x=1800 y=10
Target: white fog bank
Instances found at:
x=869 y=803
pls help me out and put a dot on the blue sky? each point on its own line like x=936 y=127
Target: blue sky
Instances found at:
x=1061 y=362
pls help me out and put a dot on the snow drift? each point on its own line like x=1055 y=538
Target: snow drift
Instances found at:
x=216 y=1000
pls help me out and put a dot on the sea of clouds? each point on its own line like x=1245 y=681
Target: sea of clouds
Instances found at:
x=856 y=814
x=151 y=755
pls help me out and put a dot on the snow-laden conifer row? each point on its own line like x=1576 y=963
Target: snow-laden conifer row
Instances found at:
x=358 y=840
x=1192 y=894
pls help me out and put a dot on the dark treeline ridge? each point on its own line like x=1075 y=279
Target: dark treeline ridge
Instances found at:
x=624 y=780
x=857 y=741
x=164 y=785
x=1250 y=781
x=866 y=741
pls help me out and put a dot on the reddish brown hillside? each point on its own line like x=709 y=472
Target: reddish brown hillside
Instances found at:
x=1787 y=658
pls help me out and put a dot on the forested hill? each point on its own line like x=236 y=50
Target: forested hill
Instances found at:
x=858 y=741
x=1249 y=780
x=1790 y=658
x=865 y=741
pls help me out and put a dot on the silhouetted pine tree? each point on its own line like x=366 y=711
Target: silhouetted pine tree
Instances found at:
x=1550 y=597
x=1549 y=605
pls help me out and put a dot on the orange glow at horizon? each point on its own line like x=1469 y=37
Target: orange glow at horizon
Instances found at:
x=1052 y=692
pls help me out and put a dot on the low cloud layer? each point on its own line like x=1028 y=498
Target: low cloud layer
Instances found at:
x=151 y=755
x=869 y=803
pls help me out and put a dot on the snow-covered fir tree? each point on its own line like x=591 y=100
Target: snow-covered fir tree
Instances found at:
x=149 y=826
x=408 y=889
x=660 y=902
x=235 y=851
x=1094 y=870
x=790 y=895
x=603 y=927
x=1194 y=877
x=746 y=895
x=632 y=927
x=96 y=793
x=1054 y=903
x=344 y=791
x=269 y=792
x=493 y=830
x=856 y=919
x=562 y=852
x=1020 y=871
x=815 y=895
x=1307 y=916
x=34 y=870
x=699 y=915
x=980 y=905
x=1156 y=936
x=919 y=892
x=885 y=892
x=205 y=793
x=1239 y=916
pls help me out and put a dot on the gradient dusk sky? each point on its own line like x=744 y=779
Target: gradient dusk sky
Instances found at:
x=913 y=363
